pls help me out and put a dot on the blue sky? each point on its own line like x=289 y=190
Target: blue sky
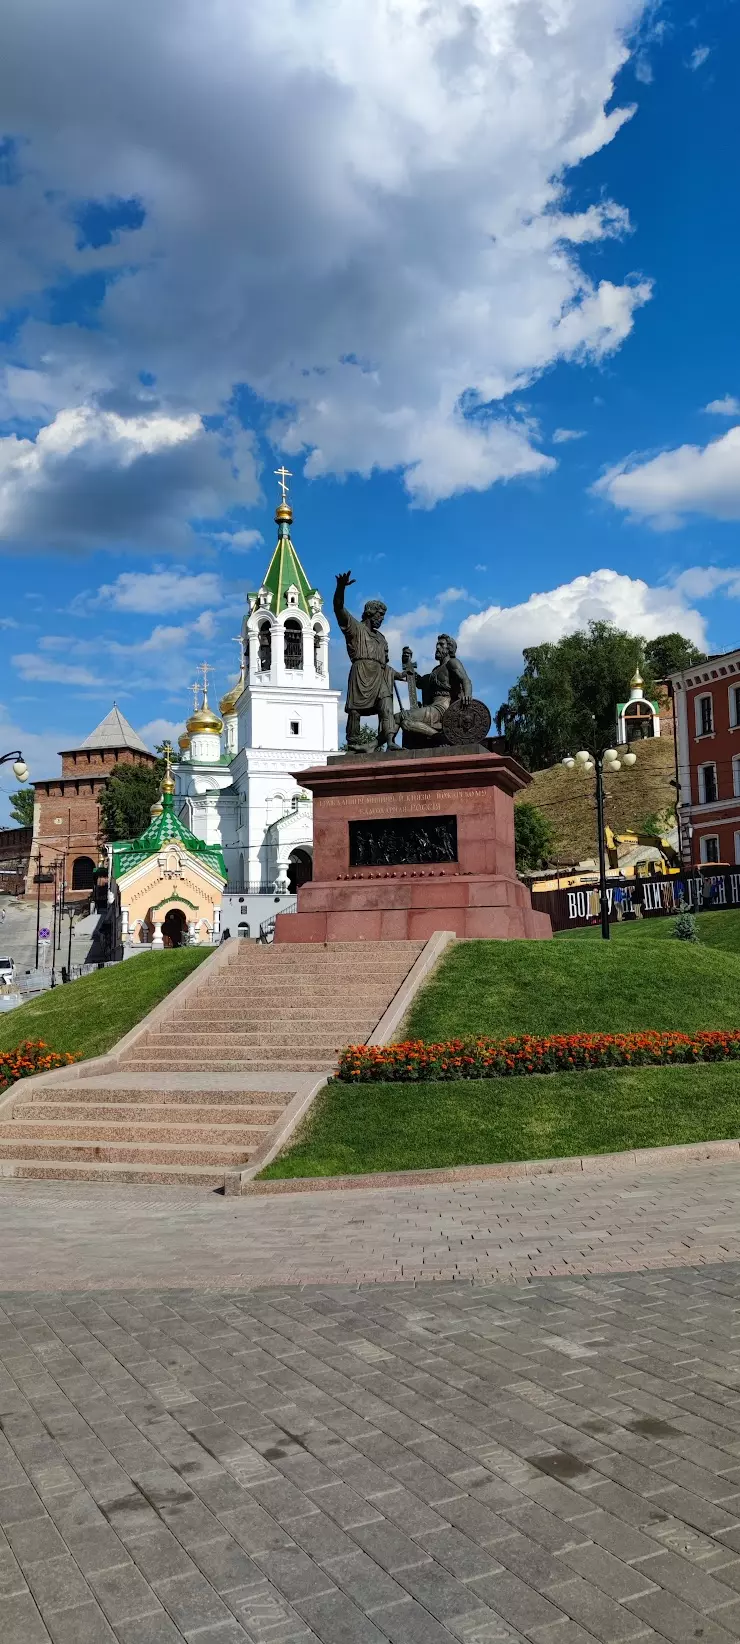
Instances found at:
x=479 y=313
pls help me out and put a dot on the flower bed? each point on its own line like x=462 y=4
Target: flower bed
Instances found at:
x=33 y=1056
x=556 y=1053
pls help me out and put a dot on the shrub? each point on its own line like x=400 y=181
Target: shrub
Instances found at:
x=685 y=927
x=554 y=1053
x=33 y=1056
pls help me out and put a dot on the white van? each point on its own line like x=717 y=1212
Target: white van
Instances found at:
x=7 y=972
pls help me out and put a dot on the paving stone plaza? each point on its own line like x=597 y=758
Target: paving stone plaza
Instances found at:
x=231 y=1457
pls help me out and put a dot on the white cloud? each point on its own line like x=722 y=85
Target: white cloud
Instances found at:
x=728 y=406
x=50 y=671
x=157 y=731
x=395 y=245
x=149 y=592
x=693 y=479
x=701 y=581
x=240 y=542
x=562 y=435
x=698 y=56
x=499 y=634
x=94 y=478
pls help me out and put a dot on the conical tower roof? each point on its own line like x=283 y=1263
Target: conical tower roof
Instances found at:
x=113 y=732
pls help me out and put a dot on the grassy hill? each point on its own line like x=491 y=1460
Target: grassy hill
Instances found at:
x=88 y=1017
x=567 y=798
x=639 y=980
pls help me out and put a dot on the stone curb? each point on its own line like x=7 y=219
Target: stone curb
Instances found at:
x=393 y=1015
x=588 y=1164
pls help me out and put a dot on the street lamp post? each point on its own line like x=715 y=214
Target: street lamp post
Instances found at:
x=20 y=768
x=607 y=762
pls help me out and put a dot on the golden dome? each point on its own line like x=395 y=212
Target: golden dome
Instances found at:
x=156 y=809
x=283 y=514
x=228 y=703
x=204 y=719
x=168 y=784
x=636 y=679
x=183 y=742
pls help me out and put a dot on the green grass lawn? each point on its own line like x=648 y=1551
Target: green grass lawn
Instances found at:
x=563 y=987
x=640 y=980
x=361 y=1128
x=88 y=1016
x=716 y=930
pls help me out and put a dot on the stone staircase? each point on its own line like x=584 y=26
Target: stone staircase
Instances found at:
x=196 y=1097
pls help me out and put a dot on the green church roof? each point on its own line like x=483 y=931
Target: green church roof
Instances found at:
x=130 y=853
x=285 y=571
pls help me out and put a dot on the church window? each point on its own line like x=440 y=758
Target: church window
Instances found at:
x=295 y=728
x=265 y=638
x=318 y=641
x=293 y=633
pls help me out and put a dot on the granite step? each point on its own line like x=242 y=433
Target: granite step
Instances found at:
x=246 y=1064
x=143 y=1129
x=125 y=1152
x=143 y=1113
x=246 y=1040
x=248 y=1101
x=70 y=1170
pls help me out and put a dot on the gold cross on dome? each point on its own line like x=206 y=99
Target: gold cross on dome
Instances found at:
x=282 y=475
x=195 y=688
x=205 y=669
x=167 y=751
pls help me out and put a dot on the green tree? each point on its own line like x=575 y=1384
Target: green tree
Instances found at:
x=367 y=737
x=566 y=698
x=670 y=652
x=533 y=835
x=21 y=807
x=127 y=799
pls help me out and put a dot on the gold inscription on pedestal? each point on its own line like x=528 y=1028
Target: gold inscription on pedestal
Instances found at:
x=412 y=805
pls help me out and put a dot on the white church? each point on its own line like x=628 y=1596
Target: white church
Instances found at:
x=234 y=778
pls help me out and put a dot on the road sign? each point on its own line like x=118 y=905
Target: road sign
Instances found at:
x=44 y=935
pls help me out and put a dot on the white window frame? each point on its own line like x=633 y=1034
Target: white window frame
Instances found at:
x=709 y=764
x=703 y=842
x=737 y=846
x=736 y=776
x=706 y=696
x=733 y=697
x=295 y=719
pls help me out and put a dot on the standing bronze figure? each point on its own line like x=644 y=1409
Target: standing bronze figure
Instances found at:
x=371 y=676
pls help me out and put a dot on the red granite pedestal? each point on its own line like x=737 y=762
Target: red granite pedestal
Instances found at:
x=404 y=804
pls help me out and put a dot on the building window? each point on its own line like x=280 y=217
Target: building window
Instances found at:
x=709 y=847
x=704 y=716
x=265 y=643
x=736 y=776
x=734 y=694
x=293 y=633
x=707 y=784
x=737 y=847
x=295 y=727
x=83 y=873
x=318 y=649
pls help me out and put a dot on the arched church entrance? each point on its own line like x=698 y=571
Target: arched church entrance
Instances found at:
x=300 y=870
x=174 y=928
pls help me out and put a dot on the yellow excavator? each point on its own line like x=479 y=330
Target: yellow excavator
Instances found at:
x=656 y=840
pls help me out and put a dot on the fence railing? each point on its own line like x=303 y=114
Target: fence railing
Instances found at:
x=267 y=928
x=235 y=888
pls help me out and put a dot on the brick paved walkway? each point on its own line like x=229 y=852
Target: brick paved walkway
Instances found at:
x=557 y=1463
x=56 y=1235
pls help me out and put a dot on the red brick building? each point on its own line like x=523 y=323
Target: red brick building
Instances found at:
x=707 y=710
x=66 y=817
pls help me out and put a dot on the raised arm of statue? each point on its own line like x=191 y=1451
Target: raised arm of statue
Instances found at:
x=345 y=579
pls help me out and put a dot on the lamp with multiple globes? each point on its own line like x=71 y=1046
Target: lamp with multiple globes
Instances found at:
x=20 y=768
x=606 y=763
